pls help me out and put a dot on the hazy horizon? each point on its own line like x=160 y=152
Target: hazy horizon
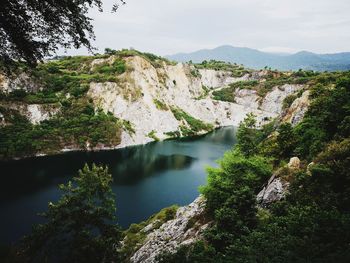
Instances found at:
x=167 y=27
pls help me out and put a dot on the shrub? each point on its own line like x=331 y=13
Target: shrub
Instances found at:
x=160 y=105
x=152 y=135
x=195 y=124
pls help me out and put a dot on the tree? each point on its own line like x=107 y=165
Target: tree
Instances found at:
x=231 y=195
x=286 y=140
x=79 y=226
x=247 y=135
x=33 y=29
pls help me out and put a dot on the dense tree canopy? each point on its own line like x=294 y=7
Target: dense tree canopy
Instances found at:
x=79 y=227
x=33 y=29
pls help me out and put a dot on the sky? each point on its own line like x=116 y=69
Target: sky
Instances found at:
x=166 y=27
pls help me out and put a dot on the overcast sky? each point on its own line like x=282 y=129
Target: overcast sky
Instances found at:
x=171 y=26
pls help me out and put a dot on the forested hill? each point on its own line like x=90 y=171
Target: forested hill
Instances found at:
x=256 y=59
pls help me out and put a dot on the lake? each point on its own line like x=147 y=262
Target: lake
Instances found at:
x=147 y=178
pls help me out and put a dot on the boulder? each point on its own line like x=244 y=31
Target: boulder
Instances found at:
x=294 y=163
x=275 y=190
x=295 y=113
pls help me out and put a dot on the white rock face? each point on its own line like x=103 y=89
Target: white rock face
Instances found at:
x=297 y=110
x=132 y=99
x=218 y=78
x=22 y=81
x=274 y=99
x=172 y=234
x=248 y=98
x=37 y=113
x=275 y=190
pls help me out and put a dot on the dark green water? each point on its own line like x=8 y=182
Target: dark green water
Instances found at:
x=146 y=179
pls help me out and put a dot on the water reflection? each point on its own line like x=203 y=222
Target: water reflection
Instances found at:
x=140 y=166
x=127 y=166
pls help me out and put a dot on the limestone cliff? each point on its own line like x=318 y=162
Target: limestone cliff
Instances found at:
x=147 y=97
x=134 y=98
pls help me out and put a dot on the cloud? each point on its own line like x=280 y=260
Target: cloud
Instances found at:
x=168 y=26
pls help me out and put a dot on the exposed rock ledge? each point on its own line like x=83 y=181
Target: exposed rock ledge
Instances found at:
x=188 y=224
x=172 y=234
x=277 y=187
x=275 y=190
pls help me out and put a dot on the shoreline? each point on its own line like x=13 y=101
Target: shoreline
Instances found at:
x=101 y=149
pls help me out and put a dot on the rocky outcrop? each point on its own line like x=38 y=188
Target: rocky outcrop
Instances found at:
x=35 y=113
x=275 y=190
x=38 y=112
x=273 y=100
x=182 y=230
x=218 y=78
x=277 y=186
x=294 y=163
x=20 y=82
x=295 y=113
x=247 y=98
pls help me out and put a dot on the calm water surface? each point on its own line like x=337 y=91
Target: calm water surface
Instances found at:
x=146 y=179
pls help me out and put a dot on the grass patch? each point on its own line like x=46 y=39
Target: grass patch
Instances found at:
x=160 y=105
x=235 y=69
x=128 y=126
x=205 y=93
x=153 y=135
x=195 y=125
x=173 y=134
x=287 y=102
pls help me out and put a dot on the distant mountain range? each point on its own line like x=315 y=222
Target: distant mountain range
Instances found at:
x=256 y=59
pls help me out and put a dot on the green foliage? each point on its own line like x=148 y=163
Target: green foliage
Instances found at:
x=117 y=67
x=287 y=102
x=128 y=126
x=247 y=135
x=225 y=94
x=153 y=135
x=173 y=134
x=186 y=131
x=205 y=93
x=37 y=30
x=160 y=105
x=236 y=70
x=286 y=141
x=75 y=126
x=199 y=252
x=155 y=60
x=79 y=226
x=231 y=196
x=228 y=94
x=195 y=73
x=326 y=118
x=195 y=125
x=312 y=224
